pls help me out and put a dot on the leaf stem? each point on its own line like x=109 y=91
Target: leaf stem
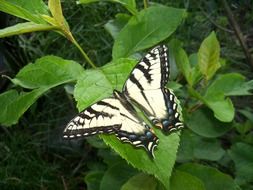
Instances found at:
x=145 y=3
x=70 y=37
x=84 y=54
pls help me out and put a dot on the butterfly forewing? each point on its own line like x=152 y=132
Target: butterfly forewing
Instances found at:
x=111 y=116
x=146 y=87
x=98 y=118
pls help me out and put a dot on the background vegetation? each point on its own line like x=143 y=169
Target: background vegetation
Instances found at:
x=210 y=54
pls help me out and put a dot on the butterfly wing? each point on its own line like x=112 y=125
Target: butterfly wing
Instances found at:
x=111 y=116
x=146 y=87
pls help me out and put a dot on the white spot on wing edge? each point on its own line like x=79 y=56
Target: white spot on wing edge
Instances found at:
x=150 y=145
x=136 y=142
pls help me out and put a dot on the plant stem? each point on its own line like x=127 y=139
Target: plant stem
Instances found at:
x=71 y=38
x=84 y=54
x=145 y=3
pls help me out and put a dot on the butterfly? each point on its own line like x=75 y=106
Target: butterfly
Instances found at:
x=145 y=87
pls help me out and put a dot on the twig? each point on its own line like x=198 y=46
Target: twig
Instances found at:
x=214 y=23
x=64 y=183
x=145 y=2
x=238 y=32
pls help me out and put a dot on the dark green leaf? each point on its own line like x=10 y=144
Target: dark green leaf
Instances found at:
x=182 y=180
x=93 y=179
x=211 y=177
x=193 y=147
x=114 y=26
x=147 y=28
x=248 y=113
x=14 y=105
x=202 y=123
x=130 y=5
x=6 y=99
x=232 y=84
x=242 y=156
x=208 y=56
x=116 y=176
x=214 y=152
x=140 y=182
x=186 y=148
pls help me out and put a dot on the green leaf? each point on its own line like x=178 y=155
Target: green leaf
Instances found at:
x=14 y=105
x=165 y=155
x=242 y=156
x=91 y=87
x=222 y=107
x=130 y=5
x=45 y=73
x=93 y=179
x=147 y=28
x=202 y=123
x=195 y=74
x=182 y=180
x=23 y=28
x=231 y=84
x=112 y=180
x=6 y=98
x=98 y=84
x=193 y=147
x=48 y=71
x=211 y=177
x=189 y=70
x=248 y=113
x=208 y=56
x=114 y=26
x=186 y=148
x=180 y=58
x=56 y=10
x=34 y=7
x=140 y=182
x=214 y=152
x=28 y=10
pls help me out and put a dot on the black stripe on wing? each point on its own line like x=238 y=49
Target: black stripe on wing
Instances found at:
x=79 y=126
x=155 y=59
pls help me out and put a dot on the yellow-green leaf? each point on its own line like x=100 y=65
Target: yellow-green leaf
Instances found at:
x=26 y=27
x=208 y=56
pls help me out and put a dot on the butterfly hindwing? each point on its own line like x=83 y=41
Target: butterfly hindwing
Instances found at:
x=146 y=87
x=111 y=116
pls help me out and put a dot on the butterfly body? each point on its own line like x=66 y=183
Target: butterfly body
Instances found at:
x=145 y=87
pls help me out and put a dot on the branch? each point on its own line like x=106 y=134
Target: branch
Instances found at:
x=238 y=32
x=214 y=23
